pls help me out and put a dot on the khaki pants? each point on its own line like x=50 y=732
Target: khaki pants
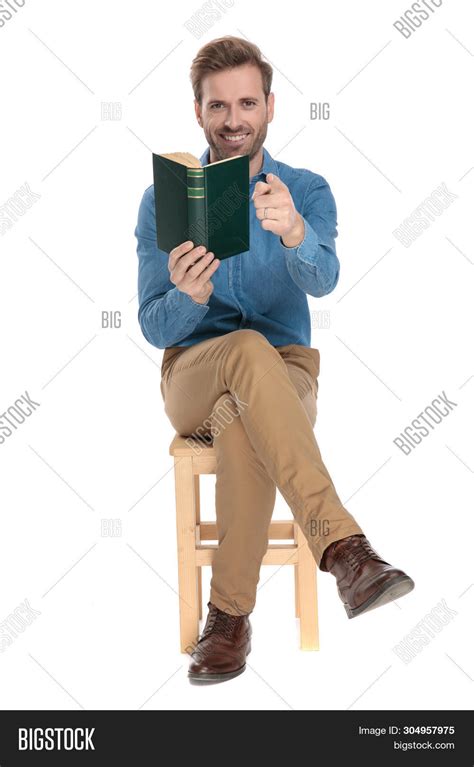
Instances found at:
x=258 y=404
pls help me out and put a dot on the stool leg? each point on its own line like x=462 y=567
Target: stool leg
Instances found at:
x=199 y=577
x=297 y=594
x=186 y=539
x=307 y=595
x=197 y=503
x=297 y=591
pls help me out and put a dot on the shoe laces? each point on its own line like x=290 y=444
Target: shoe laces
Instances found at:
x=221 y=623
x=356 y=556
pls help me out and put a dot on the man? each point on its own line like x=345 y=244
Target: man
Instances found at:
x=239 y=331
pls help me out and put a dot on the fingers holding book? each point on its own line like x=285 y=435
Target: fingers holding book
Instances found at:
x=191 y=270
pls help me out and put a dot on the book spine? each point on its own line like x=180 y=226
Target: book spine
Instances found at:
x=197 y=221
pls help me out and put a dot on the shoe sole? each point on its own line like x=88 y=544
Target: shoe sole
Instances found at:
x=197 y=677
x=390 y=591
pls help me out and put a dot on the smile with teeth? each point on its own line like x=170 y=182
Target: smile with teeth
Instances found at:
x=238 y=137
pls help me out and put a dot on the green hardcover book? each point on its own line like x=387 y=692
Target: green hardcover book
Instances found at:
x=208 y=205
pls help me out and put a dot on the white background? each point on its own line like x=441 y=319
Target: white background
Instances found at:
x=97 y=446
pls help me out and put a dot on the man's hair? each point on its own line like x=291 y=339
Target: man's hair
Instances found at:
x=226 y=53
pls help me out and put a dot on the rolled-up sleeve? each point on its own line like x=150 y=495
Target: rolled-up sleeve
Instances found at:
x=166 y=315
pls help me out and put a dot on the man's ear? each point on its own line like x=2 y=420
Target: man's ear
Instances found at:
x=270 y=107
x=197 y=109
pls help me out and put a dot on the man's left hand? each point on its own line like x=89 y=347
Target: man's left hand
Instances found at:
x=273 y=200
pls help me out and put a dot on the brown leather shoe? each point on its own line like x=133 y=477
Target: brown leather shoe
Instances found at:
x=364 y=579
x=222 y=648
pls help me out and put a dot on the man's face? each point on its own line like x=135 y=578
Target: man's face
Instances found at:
x=233 y=112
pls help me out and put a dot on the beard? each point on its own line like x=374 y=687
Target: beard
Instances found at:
x=252 y=146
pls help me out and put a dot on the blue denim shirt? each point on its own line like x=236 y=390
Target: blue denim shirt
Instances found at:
x=264 y=288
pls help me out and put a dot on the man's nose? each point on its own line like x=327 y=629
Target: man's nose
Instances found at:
x=233 y=121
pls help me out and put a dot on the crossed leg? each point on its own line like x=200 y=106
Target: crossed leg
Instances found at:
x=245 y=499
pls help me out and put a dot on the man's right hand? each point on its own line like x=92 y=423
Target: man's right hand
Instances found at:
x=191 y=270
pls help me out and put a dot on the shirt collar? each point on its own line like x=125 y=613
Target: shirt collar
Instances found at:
x=269 y=165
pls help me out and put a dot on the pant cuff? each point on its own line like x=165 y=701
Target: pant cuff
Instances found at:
x=230 y=606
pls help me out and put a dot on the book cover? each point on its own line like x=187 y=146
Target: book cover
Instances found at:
x=208 y=205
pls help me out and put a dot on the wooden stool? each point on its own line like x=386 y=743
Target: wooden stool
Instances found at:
x=193 y=457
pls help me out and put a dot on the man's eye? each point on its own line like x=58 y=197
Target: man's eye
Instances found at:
x=252 y=103
x=214 y=106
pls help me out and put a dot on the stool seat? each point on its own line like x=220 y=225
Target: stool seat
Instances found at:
x=193 y=457
x=188 y=445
